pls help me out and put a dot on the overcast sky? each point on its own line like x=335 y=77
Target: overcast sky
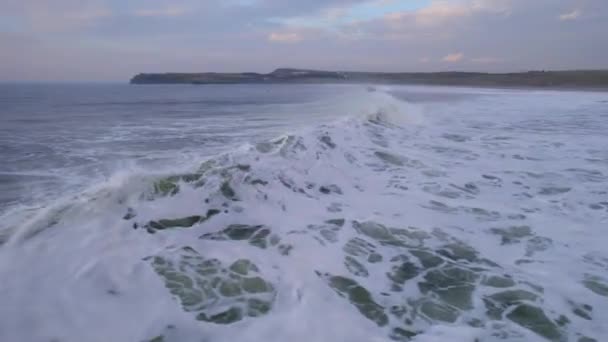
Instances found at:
x=107 y=40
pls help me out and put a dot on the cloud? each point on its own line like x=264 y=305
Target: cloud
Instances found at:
x=89 y=14
x=453 y=57
x=259 y=35
x=170 y=11
x=570 y=16
x=287 y=37
x=58 y=16
x=440 y=11
x=486 y=60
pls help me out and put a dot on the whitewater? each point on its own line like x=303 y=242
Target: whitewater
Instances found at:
x=303 y=213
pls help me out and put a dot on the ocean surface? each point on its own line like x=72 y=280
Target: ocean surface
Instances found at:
x=302 y=213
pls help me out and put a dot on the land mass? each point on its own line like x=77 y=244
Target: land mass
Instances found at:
x=547 y=79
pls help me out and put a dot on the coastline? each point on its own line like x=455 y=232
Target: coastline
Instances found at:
x=575 y=80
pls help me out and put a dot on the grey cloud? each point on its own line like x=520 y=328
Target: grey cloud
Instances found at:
x=492 y=35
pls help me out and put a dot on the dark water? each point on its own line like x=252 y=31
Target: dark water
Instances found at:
x=59 y=137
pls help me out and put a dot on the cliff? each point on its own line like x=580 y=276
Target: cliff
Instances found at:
x=574 y=78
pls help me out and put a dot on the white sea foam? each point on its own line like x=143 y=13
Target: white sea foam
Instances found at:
x=481 y=218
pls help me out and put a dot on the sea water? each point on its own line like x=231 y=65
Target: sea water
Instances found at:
x=302 y=213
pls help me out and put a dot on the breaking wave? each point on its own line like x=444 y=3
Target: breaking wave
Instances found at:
x=369 y=228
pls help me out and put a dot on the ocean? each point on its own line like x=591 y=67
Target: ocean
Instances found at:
x=302 y=213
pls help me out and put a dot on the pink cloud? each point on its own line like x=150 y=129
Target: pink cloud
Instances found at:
x=453 y=57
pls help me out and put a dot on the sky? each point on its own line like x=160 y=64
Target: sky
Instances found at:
x=111 y=40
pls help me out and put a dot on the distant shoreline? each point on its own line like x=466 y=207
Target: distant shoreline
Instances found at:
x=559 y=80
